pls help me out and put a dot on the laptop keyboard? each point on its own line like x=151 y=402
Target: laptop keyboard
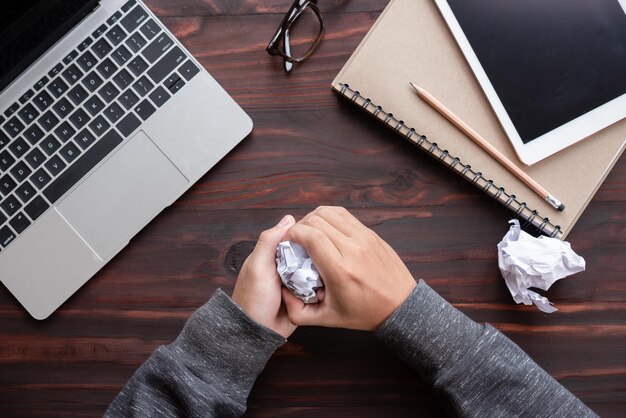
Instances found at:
x=81 y=110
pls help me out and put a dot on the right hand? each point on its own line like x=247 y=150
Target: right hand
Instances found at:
x=365 y=280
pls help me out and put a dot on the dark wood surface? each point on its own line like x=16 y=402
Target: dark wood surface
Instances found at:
x=309 y=149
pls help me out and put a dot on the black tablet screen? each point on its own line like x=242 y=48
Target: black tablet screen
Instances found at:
x=550 y=61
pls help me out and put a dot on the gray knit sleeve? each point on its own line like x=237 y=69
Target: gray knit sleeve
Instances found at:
x=475 y=369
x=208 y=371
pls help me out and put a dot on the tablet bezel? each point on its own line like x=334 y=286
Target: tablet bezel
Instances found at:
x=552 y=141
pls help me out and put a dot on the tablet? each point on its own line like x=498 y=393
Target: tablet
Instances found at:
x=554 y=71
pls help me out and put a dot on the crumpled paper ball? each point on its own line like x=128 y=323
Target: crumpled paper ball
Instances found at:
x=526 y=261
x=297 y=271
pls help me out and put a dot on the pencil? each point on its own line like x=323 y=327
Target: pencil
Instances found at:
x=491 y=150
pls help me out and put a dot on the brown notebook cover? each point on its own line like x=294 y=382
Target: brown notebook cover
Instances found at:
x=411 y=42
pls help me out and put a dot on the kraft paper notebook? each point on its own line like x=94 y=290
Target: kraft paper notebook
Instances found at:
x=411 y=42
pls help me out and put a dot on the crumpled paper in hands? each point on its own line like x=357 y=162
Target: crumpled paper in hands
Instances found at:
x=297 y=271
x=526 y=261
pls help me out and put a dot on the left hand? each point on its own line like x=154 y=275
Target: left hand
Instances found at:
x=257 y=290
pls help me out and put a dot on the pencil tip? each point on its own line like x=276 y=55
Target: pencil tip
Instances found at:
x=413 y=85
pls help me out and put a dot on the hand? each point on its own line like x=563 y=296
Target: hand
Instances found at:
x=365 y=280
x=257 y=290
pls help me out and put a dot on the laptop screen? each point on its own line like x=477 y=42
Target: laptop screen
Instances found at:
x=29 y=27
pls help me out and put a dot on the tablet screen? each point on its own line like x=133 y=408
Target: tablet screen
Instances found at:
x=550 y=61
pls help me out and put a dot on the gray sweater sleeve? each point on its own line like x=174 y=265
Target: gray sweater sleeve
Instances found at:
x=208 y=371
x=475 y=369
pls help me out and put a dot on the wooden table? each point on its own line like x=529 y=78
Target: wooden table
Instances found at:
x=309 y=149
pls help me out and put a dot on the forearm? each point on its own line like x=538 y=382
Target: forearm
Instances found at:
x=207 y=371
x=478 y=370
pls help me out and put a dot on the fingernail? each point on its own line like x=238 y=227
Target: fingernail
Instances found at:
x=285 y=221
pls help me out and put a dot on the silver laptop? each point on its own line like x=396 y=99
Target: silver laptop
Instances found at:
x=105 y=119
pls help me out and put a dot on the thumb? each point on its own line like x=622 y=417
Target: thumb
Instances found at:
x=269 y=239
x=300 y=313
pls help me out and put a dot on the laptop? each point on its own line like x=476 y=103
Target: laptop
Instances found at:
x=105 y=120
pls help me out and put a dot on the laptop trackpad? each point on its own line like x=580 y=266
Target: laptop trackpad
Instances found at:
x=122 y=195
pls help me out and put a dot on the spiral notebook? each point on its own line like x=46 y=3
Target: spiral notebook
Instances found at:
x=411 y=42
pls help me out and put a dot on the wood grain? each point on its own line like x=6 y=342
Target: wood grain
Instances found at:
x=309 y=148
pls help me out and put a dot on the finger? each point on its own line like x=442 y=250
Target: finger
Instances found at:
x=336 y=237
x=300 y=313
x=341 y=219
x=265 y=249
x=323 y=252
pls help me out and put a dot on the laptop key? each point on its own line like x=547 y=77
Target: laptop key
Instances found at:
x=7 y=185
x=101 y=48
x=69 y=152
x=19 y=223
x=64 y=131
x=85 y=44
x=116 y=35
x=136 y=42
x=87 y=61
x=167 y=64
x=43 y=100
x=70 y=57
x=98 y=32
x=128 y=5
x=40 y=178
x=84 y=139
x=4 y=139
x=143 y=86
x=99 y=125
x=171 y=80
x=159 y=96
x=14 y=127
x=63 y=108
x=26 y=96
x=188 y=70
x=49 y=145
x=20 y=171
x=128 y=99
x=128 y=125
x=72 y=74
x=157 y=47
x=41 y=83
x=137 y=65
x=48 y=121
x=114 y=18
x=28 y=113
x=79 y=118
x=6 y=161
x=33 y=134
x=35 y=158
x=25 y=192
x=55 y=165
x=150 y=29
x=177 y=86
x=12 y=109
x=57 y=87
x=6 y=236
x=134 y=18
x=123 y=78
x=121 y=55
x=19 y=147
x=55 y=70
x=92 y=81
x=145 y=109
x=106 y=68
x=83 y=165
x=94 y=105
x=36 y=208
x=108 y=92
x=11 y=205
x=114 y=112
x=78 y=94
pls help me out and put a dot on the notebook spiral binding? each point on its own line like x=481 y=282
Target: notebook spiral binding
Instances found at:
x=520 y=209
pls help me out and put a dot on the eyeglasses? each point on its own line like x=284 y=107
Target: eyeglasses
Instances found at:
x=298 y=34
